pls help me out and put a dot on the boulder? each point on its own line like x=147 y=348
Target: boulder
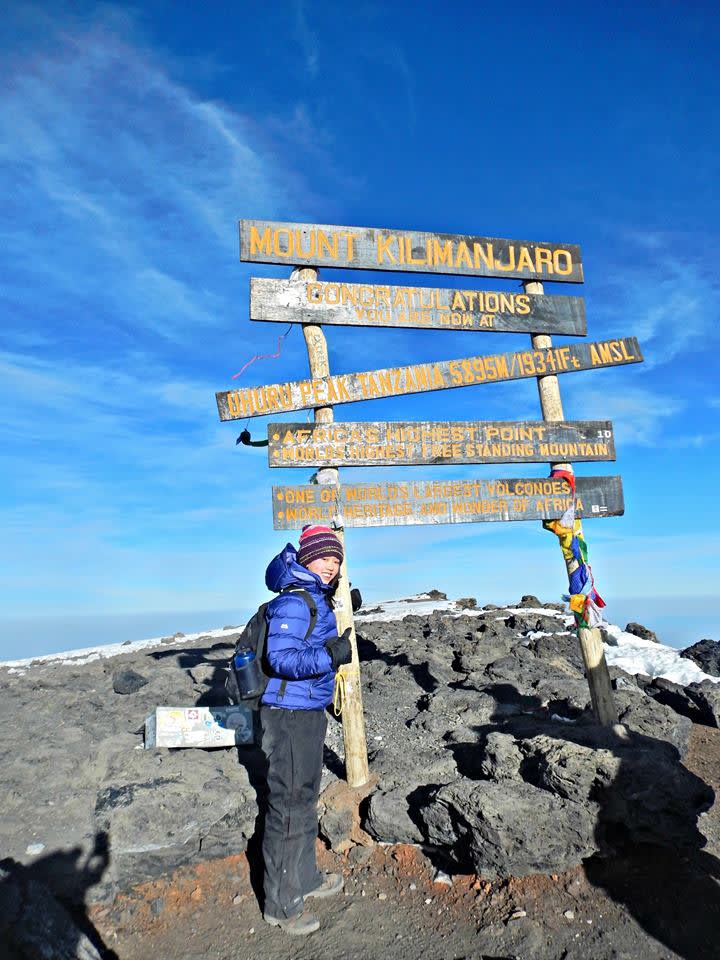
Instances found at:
x=638 y=630
x=503 y=829
x=163 y=811
x=128 y=681
x=388 y=817
x=706 y=697
x=706 y=654
x=529 y=600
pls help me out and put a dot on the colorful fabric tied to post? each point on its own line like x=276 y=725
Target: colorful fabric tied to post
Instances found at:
x=584 y=600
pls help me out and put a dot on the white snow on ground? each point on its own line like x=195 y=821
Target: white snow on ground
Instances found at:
x=88 y=654
x=631 y=653
x=634 y=655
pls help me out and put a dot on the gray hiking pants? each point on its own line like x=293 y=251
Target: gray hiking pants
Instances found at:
x=292 y=741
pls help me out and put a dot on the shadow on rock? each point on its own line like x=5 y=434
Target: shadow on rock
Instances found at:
x=420 y=671
x=619 y=800
x=207 y=668
x=35 y=922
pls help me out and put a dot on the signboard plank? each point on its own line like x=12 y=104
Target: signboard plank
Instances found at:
x=419 y=378
x=446 y=501
x=383 y=444
x=373 y=248
x=434 y=308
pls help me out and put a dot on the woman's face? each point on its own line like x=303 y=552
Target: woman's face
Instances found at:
x=327 y=568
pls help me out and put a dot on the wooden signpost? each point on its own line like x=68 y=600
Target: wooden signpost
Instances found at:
x=433 y=308
x=366 y=444
x=423 y=377
x=373 y=248
x=328 y=445
x=443 y=501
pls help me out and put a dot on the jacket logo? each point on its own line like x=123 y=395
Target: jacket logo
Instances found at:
x=283 y=626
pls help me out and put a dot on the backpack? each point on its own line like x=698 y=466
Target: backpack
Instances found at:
x=254 y=637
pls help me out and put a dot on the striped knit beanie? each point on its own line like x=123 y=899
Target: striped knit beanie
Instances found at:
x=316 y=542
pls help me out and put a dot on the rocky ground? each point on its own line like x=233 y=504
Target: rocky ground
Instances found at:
x=562 y=839
x=648 y=904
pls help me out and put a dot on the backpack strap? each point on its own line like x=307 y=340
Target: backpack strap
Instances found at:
x=313 y=620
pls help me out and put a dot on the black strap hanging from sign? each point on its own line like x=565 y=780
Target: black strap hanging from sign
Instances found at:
x=248 y=441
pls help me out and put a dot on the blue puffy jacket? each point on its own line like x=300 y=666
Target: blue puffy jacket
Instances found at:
x=305 y=664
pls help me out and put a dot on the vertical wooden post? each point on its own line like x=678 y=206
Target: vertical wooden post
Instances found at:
x=593 y=655
x=356 y=760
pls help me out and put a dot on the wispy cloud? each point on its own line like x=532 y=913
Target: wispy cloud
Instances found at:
x=124 y=185
x=662 y=292
x=640 y=415
x=308 y=39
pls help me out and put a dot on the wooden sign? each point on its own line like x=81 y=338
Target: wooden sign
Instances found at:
x=387 y=444
x=442 y=501
x=434 y=308
x=442 y=375
x=371 y=248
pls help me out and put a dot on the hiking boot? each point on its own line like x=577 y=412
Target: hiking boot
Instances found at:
x=299 y=926
x=332 y=884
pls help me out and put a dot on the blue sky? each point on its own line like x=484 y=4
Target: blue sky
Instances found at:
x=134 y=138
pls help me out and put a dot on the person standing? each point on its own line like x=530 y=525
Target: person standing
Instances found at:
x=293 y=723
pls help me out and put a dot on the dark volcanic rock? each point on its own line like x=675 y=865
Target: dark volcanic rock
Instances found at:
x=500 y=831
x=480 y=737
x=33 y=922
x=638 y=630
x=128 y=681
x=706 y=696
x=706 y=654
x=529 y=601
x=389 y=816
x=466 y=603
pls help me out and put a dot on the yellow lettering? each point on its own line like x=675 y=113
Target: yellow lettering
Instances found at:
x=419 y=261
x=279 y=252
x=562 y=262
x=441 y=254
x=463 y=254
x=350 y=237
x=625 y=353
x=260 y=244
x=383 y=249
x=510 y=265
x=485 y=255
x=331 y=245
x=524 y=261
x=543 y=259
x=299 y=252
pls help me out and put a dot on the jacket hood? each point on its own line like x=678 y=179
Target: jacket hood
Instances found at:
x=284 y=571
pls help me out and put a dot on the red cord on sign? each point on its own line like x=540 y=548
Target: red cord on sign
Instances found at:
x=263 y=356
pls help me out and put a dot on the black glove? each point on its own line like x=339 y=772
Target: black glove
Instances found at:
x=355 y=599
x=339 y=648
